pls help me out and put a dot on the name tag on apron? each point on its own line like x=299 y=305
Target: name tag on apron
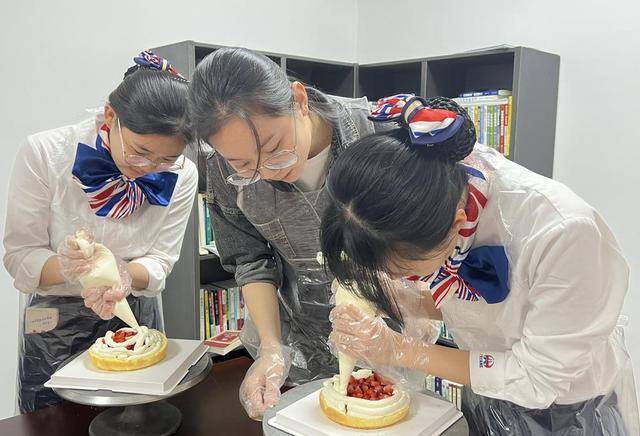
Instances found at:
x=40 y=320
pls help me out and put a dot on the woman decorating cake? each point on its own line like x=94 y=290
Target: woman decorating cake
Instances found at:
x=274 y=140
x=526 y=275
x=122 y=176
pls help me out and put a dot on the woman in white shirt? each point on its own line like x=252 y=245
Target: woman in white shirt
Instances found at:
x=526 y=275
x=121 y=176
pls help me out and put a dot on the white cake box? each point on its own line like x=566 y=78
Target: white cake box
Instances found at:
x=159 y=379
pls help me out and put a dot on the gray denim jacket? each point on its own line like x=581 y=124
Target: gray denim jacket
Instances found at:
x=269 y=232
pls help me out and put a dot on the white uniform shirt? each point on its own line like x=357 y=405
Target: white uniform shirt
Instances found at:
x=45 y=205
x=550 y=340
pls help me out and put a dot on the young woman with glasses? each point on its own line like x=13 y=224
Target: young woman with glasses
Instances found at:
x=274 y=141
x=120 y=175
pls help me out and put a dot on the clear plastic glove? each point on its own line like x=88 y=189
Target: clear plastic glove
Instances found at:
x=260 y=389
x=72 y=260
x=102 y=300
x=421 y=318
x=370 y=340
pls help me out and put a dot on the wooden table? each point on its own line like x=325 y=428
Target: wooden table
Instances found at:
x=212 y=407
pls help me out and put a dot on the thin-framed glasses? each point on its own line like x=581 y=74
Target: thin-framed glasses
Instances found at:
x=140 y=161
x=278 y=161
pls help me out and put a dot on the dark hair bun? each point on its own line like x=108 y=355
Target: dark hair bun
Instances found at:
x=130 y=71
x=459 y=145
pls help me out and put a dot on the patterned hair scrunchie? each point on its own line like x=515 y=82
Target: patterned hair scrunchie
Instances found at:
x=149 y=60
x=427 y=125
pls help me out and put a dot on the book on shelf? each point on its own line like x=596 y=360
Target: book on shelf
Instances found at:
x=446 y=389
x=491 y=116
x=222 y=310
x=207 y=326
x=203 y=333
x=496 y=92
x=206 y=237
x=224 y=342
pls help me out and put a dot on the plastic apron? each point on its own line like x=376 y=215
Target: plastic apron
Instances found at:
x=70 y=327
x=290 y=221
x=484 y=326
x=56 y=325
x=612 y=414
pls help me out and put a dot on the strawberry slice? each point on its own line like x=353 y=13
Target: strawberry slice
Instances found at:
x=121 y=336
x=350 y=390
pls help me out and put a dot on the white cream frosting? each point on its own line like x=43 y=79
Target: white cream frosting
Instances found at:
x=359 y=407
x=146 y=341
x=105 y=269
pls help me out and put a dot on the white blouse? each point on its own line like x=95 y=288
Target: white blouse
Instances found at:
x=551 y=339
x=45 y=205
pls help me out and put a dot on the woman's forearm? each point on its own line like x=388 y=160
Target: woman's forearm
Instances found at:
x=261 y=300
x=139 y=275
x=50 y=274
x=448 y=363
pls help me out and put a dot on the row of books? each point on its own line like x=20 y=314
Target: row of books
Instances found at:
x=491 y=112
x=450 y=391
x=206 y=238
x=220 y=310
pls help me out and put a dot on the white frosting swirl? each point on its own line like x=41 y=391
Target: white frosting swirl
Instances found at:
x=359 y=407
x=145 y=341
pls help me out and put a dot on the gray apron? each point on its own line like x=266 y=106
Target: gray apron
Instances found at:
x=289 y=220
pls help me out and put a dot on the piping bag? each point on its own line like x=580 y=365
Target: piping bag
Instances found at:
x=346 y=363
x=105 y=274
x=342 y=295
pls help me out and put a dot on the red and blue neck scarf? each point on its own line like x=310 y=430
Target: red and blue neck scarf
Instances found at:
x=111 y=194
x=470 y=273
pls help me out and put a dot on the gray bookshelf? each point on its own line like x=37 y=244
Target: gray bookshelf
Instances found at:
x=531 y=75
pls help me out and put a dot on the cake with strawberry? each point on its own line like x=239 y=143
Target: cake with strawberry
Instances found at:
x=128 y=349
x=370 y=401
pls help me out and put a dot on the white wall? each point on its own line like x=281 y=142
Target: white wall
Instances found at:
x=60 y=57
x=597 y=146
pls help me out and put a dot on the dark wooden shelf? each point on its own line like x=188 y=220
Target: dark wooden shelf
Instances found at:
x=331 y=78
x=448 y=77
x=376 y=81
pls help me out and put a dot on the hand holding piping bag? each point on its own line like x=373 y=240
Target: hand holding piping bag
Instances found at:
x=105 y=283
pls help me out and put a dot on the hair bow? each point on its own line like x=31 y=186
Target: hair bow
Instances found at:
x=150 y=60
x=427 y=125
